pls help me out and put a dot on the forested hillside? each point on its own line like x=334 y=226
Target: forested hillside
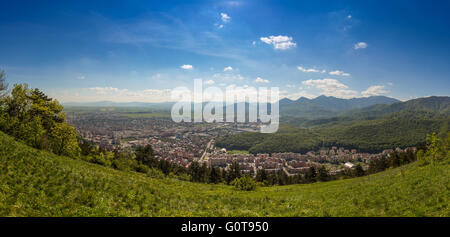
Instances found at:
x=327 y=106
x=374 y=130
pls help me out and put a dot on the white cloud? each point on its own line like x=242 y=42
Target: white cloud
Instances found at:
x=156 y=76
x=360 y=45
x=260 y=80
x=209 y=82
x=112 y=94
x=225 y=17
x=229 y=68
x=254 y=42
x=279 y=42
x=228 y=77
x=121 y=95
x=187 y=67
x=106 y=90
x=301 y=93
x=349 y=17
x=156 y=91
x=339 y=73
x=331 y=87
x=324 y=83
x=81 y=77
x=374 y=91
x=307 y=70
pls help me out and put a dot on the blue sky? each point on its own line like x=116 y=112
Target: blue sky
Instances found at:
x=140 y=50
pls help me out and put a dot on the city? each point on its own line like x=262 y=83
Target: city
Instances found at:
x=184 y=143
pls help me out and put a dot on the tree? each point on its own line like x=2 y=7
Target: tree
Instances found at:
x=49 y=110
x=17 y=104
x=311 y=174
x=3 y=85
x=282 y=177
x=433 y=147
x=245 y=183
x=215 y=176
x=145 y=155
x=64 y=140
x=436 y=149
x=31 y=116
x=233 y=173
x=359 y=171
x=87 y=147
x=34 y=133
x=194 y=171
x=322 y=173
x=261 y=175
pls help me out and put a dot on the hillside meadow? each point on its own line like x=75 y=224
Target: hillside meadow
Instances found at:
x=39 y=183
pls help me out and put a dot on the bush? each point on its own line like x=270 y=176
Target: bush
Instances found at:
x=245 y=183
x=155 y=173
x=437 y=149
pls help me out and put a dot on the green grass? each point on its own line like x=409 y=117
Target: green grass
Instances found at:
x=38 y=183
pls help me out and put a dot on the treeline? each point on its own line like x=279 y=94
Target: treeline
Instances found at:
x=318 y=173
x=393 y=160
x=142 y=159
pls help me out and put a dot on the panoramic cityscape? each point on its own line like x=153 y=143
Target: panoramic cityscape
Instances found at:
x=184 y=143
x=240 y=109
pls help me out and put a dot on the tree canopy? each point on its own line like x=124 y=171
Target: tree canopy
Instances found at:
x=3 y=85
x=31 y=116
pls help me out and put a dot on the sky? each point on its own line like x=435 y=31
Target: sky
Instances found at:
x=123 y=51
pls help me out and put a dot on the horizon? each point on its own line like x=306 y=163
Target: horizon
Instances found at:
x=130 y=102
x=81 y=52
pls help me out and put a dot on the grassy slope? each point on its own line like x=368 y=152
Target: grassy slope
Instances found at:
x=37 y=183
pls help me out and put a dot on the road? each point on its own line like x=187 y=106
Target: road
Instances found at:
x=208 y=147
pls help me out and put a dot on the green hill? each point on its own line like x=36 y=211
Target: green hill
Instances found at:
x=327 y=106
x=39 y=183
x=372 y=129
x=365 y=135
x=433 y=104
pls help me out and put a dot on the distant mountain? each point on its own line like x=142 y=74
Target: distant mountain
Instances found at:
x=328 y=106
x=338 y=104
x=433 y=104
x=423 y=108
x=320 y=107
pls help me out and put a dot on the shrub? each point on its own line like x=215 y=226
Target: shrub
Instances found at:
x=436 y=150
x=245 y=183
x=155 y=173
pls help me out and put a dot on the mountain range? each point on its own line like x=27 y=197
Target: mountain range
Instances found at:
x=322 y=107
x=328 y=106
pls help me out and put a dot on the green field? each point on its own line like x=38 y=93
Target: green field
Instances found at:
x=38 y=183
x=130 y=112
